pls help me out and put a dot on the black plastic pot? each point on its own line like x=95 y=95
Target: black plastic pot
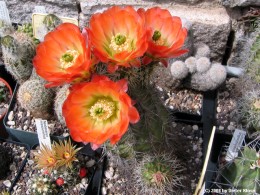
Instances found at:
x=23 y=163
x=9 y=79
x=30 y=138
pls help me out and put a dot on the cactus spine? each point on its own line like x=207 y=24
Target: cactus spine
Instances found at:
x=34 y=97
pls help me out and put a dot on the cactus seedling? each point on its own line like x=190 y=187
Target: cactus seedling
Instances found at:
x=51 y=21
x=158 y=174
x=34 y=97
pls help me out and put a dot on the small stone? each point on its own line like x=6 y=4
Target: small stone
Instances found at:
x=115 y=176
x=7 y=183
x=110 y=185
x=221 y=128
x=195 y=147
x=25 y=127
x=10 y=123
x=28 y=113
x=11 y=116
x=187 y=130
x=231 y=128
x=200 y=154
x=84 y=181
x=195 y=127
x=104 y=190
x=12 y=167
x=30 y=162
x=197 y=160
x=90 y=163
x=109 y=174
x=218 y=109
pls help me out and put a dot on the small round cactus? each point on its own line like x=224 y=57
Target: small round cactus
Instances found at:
x=51 y=21
x=179 y=70
x=203 y=64
x=61 y=96
x=33 y=96
x=158 y=174
x=191 y=64
x=202 y=50
x=18 y=50
x=217 y=74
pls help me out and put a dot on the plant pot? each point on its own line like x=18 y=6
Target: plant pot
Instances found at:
x=7 y=79
x=23 y=136
x=93 y=173
x=19 y=161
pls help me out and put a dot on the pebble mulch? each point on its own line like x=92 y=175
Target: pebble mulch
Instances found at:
x=116 y=178
x=19 y=118
x=26 y=179
x=18 y=155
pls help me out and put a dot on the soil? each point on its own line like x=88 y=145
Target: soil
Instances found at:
x=18 y=154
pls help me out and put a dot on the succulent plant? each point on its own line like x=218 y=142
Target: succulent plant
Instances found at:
x=248 y=109
x=5 y=161
x=5 y=29
x=28 y=29
x=202 y=50
x=46 y=158
x=51 y=21
x=33 y=96
x=179 y=70
x=158 y=174
x=42 y=185
x=65 y=153
x=18 y=50
x=60 y=97
x=242 y=173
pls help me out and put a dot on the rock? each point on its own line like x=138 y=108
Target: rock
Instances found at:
x=21 y=11
x=10 y=123
x=187 y=130
x=90 y=163
x=7 y=183
x=231 y=128
x=195 y=127
x=109 y=174
x=240 y=3
x=104 y=190
x=30 y=162
x=221 y=128
x=195 y=147
x=11 y=116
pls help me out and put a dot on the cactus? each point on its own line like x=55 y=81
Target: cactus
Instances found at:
x=41 y=184
x=5 y=29
x=34 y=97
x=243 y=172
x=202 y=50
x=158 y=174
x=61 y=96
x=5 y=161
x=248 y=109
x=203 y=75
x=28 y=29
x=18 y=50
x=254 y=68
x=51 y=21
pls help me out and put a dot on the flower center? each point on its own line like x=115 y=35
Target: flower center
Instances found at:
x=51 y=160
x=158 y=178
x=120 y=43
x=27 y=97
x=157 y=38
x=66 y=155
x=68 y=58
x=102 y=109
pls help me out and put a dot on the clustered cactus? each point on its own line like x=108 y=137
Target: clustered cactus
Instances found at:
x=28 y=29
x=59 y=167
x=248 y=109
x=199 y=73
x=242 y=174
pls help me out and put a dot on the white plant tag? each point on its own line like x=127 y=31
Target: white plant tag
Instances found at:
x=4 y=13
x=39 y=9
x=235 y=144
x=43 y=132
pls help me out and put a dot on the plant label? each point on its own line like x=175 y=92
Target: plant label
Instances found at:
x=39 y=9
x=235 y=144
x=4 y=13
x=43 y=132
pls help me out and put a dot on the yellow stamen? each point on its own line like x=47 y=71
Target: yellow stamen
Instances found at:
x=51 y=160
x=102 y=110
x=257 y=104
x=120 y=43
x=27 y=97
x=66 y=155
x=68 y=58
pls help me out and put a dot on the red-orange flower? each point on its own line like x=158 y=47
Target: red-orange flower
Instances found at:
x=64 y=56
x=99 y=110
x=166 y=35
x=118 y=36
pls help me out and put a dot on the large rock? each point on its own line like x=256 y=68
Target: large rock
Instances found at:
x=21 y=10
x=240 y=3
x=210 y=25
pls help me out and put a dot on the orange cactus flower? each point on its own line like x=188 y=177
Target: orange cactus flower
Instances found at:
x=99 y=110
x=63 y=56
x=166 y=35
x=118 y=37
